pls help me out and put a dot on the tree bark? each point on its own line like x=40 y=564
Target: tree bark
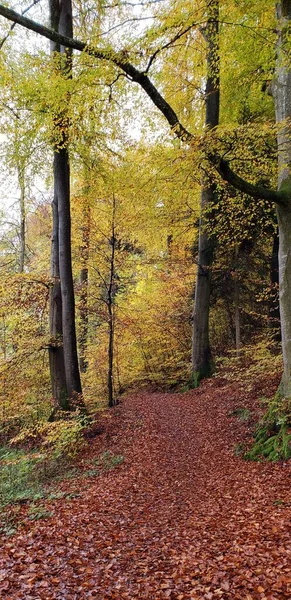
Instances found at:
x=274 y=311
x=62 y=186
x=236 y=304
x=84 y=250
x=56 y=350
x=61 y=19
x=201 y=352
x=110 y=307
x=281 y=88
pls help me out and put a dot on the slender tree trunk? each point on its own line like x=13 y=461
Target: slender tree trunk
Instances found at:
x=282 y=97
x=84 y=289
x=110 y=307
x=4 y=338
x=111 y=399
x=201 y=352
x=236 y=304
x=21 y=182
x=274 y=311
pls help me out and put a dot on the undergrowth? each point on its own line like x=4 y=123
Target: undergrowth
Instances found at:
x=254 y=361
x=37 y=454
x=38 y=457
x=272 y=439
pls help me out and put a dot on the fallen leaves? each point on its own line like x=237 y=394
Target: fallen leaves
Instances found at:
x=182 y=518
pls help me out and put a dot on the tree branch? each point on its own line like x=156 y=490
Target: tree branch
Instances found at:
x=168 y=45
x=120 y=60
x=255 y=191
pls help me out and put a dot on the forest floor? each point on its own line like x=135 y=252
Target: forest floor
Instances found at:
x=182 y=517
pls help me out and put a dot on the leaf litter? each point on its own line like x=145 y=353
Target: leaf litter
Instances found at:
x=181 y=518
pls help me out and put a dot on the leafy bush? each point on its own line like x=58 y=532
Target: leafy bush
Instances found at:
x=60 y=439
x=273 y=434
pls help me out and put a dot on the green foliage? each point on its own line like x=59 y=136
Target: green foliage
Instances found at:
x=65 y=438
x=108 y=460
x=239 y=449
x=91 y=473
x=23 y=473
x=242 y=413
x=19 y=476
x=62 y=439
x=273 y=434
x=38 y=511
x=253 y=361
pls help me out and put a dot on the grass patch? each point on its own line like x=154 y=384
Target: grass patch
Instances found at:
x=37 y=512
x=242 y=413
x=239 y=449
x=108 y=460
x=19 y=476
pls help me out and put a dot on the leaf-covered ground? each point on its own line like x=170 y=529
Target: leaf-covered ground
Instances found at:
x=182 y=517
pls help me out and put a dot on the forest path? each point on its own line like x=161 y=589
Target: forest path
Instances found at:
x=181 y=518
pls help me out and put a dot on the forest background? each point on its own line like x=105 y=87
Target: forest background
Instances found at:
x=142 y=232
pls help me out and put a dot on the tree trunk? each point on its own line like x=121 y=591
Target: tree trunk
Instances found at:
x=56 y=350
x=201 y=352
x=62 y=186
x=236 y=304
x=110 y=307
x=21 y=183
x=61 y=19
x=274 y=311
x=84 y=250
x=282 y=96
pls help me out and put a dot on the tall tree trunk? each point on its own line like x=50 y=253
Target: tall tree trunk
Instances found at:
x=61 y=20
x=201 y=352
x=56 y=351
x=282 y=97
x=110 y=307
x=84 y=250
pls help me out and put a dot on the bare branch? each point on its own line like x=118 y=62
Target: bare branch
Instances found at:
x=168 y=45
x=133 y=20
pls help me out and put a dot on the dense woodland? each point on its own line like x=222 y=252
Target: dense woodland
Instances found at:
x=145 y=305
x=145 y=184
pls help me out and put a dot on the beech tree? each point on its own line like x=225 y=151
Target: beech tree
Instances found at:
x=201 y=353
x=281 y=94
x=65 y=375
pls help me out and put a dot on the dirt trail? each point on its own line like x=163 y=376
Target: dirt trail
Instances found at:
x=181 y=518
